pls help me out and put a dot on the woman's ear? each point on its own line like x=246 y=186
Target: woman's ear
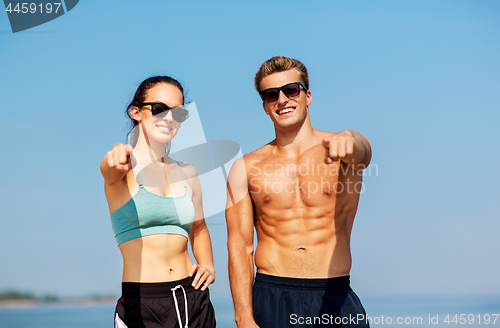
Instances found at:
x=134 y=113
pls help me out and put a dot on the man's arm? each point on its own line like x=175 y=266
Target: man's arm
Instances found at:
x=239 y=218
x=349 y=146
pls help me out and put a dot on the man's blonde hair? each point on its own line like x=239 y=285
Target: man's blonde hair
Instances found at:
x=280 y=64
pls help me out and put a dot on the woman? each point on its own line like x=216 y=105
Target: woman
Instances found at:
x=155 y=205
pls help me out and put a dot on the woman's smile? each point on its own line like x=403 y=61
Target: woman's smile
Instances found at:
x=164 y=128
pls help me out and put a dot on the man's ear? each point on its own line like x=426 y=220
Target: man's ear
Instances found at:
x=264 y=106
x=309 y=97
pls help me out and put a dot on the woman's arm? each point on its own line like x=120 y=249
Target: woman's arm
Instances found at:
x=199 y=236
x=116 y=163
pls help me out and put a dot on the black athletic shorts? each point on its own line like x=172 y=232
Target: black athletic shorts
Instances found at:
x=153 y=305
x=280 y=302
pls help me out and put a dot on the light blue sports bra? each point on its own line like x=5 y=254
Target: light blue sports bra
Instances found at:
x=147 y=213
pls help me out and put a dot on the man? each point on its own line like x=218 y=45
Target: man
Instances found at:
x=301 y=193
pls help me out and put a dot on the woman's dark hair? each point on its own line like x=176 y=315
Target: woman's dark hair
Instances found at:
x=142 y=90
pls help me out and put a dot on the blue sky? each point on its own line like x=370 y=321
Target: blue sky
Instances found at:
x=420 y=79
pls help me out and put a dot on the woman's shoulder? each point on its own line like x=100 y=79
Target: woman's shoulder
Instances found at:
x=188 y=170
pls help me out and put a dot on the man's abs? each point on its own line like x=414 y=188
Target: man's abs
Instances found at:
x=294 y=248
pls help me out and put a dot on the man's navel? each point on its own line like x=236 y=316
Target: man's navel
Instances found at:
x=302 y=250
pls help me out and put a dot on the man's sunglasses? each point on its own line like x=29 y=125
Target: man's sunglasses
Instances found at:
x=159 y=109
x=290 y=90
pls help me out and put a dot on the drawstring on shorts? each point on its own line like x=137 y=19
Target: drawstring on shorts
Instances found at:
x=177 y=305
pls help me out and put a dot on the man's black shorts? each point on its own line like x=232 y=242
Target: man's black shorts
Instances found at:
x=280 y=302
x=155 y=305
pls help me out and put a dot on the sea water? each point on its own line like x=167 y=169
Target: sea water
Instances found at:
x=436 y=311
x=470 y=312
x=83 y=316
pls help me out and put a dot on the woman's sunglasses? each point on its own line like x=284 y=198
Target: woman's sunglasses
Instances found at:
x=290 y=90
x=159 y=109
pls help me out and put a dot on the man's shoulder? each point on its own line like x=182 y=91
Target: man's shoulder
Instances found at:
x=322 y=134
x=242 y=164
x=261 y=152
x=315 y=142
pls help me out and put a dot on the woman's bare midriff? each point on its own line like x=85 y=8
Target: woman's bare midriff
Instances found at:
x=155 y=258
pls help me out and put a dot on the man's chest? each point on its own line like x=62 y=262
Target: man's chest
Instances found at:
x=307 y=181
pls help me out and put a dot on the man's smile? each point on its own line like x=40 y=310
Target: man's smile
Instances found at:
x=285 y=110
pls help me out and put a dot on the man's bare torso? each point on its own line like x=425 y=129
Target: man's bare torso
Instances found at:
x=303 y=211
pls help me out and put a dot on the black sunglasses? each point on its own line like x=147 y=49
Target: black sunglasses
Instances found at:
x=158 y=109
x=290 y=90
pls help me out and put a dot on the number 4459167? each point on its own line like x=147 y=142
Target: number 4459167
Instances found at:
x=471 y=319
x=32 y=8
